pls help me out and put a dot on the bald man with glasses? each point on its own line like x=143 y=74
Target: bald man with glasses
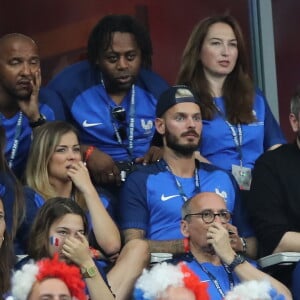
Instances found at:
x=206 y=225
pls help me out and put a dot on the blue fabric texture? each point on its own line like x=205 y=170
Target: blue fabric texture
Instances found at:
x=217 y=144
x=150 y=199
x=85 y=101
x=50 y=106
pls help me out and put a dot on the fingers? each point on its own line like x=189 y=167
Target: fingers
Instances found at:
x=111 y=177
x=36 y=82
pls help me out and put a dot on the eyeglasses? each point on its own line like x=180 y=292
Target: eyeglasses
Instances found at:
x=119 y=113
x=208 y=216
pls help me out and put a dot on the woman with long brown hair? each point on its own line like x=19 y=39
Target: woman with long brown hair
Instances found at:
x=238 y=125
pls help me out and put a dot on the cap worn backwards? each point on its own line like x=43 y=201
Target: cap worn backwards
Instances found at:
x=172 y=96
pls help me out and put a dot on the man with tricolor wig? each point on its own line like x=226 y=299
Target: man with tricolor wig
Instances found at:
x=48 y=279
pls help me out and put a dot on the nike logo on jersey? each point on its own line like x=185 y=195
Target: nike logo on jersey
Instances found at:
x=166 y=198
x=86 y=124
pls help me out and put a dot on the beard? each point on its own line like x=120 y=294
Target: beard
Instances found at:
x=185 y=150
x=115 y=86
x=19 y=94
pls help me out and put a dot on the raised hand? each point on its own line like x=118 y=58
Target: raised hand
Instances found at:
x=30 y=107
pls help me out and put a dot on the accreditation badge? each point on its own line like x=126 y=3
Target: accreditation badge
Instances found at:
x=243 y=176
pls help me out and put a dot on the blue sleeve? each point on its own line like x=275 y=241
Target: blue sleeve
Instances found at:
x=272 y=132
x=51 y=99
x=152 y=82
x=133 y=210
x=295 y=282
x=71 y=82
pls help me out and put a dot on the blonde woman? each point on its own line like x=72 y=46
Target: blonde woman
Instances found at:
x=55 y=169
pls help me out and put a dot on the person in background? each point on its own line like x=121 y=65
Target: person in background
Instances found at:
x=55 y=169
x=111 y=98
x=238 y=125
x=6 y=251
x=168 y=282
x=12 y=192
x=274 y=207
x=152 y=196
x=23 y=106
x=61 y=227
x=205 y=220
x=48 y=278
x=254 y=290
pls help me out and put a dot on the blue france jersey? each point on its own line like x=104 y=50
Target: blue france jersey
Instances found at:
x=219 y=273
x=72 y=83
x=218 y=146
x=19 y=162
x=91 y=111
x=150 y=199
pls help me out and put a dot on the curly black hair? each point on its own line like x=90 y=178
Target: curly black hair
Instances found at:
x=101 y=37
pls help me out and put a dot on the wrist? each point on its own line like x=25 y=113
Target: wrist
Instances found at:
x=88 y=262
x=238 y=260
x=227 y=259
x=37 y=121
x=88 y=153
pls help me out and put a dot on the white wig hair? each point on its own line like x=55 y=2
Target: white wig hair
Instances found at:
x=154 y=282
x=252 y=290
x=23 y=280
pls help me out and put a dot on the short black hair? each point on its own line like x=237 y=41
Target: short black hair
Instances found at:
x=101 y=35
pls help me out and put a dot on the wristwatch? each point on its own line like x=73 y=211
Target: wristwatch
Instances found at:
x=89 y=272
x=238 y=259
x=39 y=122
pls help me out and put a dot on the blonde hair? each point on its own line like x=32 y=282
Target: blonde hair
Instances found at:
x=46 y=138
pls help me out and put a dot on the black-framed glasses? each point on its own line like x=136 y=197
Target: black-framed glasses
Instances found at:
x=119 y=113
x=208 y=216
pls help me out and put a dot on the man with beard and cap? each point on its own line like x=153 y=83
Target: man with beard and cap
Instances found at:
x=20 y=108
x=274 y=205
x=152 y=196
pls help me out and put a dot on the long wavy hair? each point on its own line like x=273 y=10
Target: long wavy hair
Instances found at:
x=13 y=187
x=51 y=211
x=7 y=261
x=237 y=91
x=44 y=143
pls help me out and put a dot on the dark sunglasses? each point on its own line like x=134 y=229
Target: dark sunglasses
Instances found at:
x=119 y=113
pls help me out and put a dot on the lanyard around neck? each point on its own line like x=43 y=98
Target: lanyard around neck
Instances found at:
x=237 y=136
x=179 y=185
x=16 y=140
x=215 y=281
x=129 y=149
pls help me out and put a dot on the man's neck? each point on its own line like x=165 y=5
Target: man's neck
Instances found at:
x=180 y=165
x=204 y=255
x=298 y=142
x=116 y=95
